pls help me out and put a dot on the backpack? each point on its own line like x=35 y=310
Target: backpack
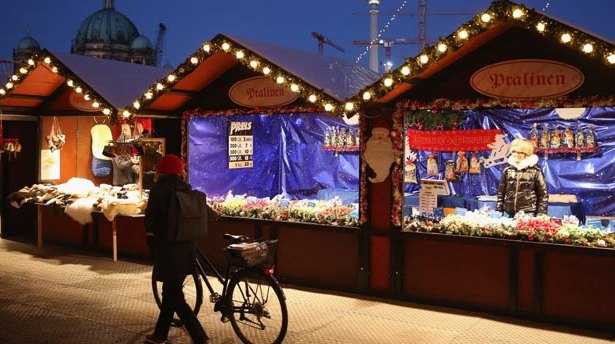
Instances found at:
x=188 y=215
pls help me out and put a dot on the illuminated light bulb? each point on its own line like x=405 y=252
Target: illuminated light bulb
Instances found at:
x=541 y=27
x=329 y=107
x=423 y=59
x=442 y=47
x=22 y=70
x=388 y=82
x=126 y=114
x=194 y=60
x=148 y=95
x=266 y=70
x=588 y=48
x=517 y=13
x=14 y=77
x=405 y=70
x=70 y=83
x=2 y=91
x=463 y=34
x=349 y=106
x=367 y=96
x=54 y=69
x=254 y=64
x=566 y=38
x=171 y=77
x=294 y=88
x=78 y=90
x=159 y=86
x=47 y=60
x=240 y=54
x=312 y=98
x=86 y=97
x=96 y=105
x=206 y=47
x=485 y=17
x=226 y=46
x=279 y=79
x=31 y=62
x=136 y=104
x=9 y=85
x=611 y=58
x=106 y=111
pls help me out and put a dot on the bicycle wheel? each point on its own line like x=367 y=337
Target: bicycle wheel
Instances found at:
x=193 y=293
x=259 y=313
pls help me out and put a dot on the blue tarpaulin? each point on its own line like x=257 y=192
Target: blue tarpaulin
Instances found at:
x=288 y=158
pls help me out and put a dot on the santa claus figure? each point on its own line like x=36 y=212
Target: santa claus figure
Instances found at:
x=379 y=153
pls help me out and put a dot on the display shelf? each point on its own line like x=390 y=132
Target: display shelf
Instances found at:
x=566 y=150
x=341 y=148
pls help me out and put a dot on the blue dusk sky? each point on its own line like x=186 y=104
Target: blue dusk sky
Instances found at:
x=54 y=24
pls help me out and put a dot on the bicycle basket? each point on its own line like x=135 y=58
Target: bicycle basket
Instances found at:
x=251 y=254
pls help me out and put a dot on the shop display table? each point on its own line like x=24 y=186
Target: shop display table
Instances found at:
x=555 y=209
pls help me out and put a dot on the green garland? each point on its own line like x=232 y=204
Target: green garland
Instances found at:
x=434 y=120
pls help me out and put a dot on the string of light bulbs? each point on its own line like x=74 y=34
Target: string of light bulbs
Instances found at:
x=380 y=32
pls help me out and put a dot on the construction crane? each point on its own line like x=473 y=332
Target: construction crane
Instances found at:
x=159 y=44
x=387 y=44
x=322 y=40
x=422 y=14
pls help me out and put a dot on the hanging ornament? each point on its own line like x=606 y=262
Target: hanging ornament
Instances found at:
x=410 y=168
x=462 y=164
x=432 y=166
x=449 y=171
x=474 y=164
x=8 y=145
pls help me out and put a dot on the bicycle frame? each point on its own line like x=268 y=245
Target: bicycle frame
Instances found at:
x=223 y=280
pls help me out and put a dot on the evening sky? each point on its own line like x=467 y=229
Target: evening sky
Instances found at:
x=54 y=24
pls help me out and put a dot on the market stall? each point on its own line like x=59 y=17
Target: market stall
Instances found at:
x=451 y=113
x=69 y=98
x=264 y=135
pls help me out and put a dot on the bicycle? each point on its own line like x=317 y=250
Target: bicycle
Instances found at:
x=251 y=299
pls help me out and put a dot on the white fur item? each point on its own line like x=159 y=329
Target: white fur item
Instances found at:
x=81 y=210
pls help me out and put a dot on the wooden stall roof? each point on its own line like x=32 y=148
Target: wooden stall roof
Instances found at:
x=319 y=80
x=439 y=76
x=56 y=83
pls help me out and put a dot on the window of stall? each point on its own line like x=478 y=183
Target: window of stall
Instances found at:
x=469 y=150
x=301 y=167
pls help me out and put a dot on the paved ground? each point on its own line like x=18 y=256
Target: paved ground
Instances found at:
x=65 y=295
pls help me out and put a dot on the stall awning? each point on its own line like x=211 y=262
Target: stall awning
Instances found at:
x=440 y=76
x=210 y=71
x=57 y=83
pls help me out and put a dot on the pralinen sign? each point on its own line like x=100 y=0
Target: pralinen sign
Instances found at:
x=261 y=91
x=527 y=79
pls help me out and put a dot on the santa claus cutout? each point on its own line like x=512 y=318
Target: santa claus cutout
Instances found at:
x=379 y=153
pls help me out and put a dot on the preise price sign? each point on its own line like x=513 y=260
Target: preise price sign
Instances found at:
x=240 y=149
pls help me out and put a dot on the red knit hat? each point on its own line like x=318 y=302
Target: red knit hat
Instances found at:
x=170 y=164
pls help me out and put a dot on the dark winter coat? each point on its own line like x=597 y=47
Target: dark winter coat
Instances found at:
x=523 y=188
x=172 y=260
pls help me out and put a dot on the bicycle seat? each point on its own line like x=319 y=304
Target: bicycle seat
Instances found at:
x=236 y=238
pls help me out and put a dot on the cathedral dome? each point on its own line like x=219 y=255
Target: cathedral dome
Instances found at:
x=28 y=43
x=106 y=26
x=109 y=34
x=141 y=43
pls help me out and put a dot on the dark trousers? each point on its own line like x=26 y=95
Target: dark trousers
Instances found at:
x=173 y=302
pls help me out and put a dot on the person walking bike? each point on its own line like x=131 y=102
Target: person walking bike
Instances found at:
x=173 y=261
